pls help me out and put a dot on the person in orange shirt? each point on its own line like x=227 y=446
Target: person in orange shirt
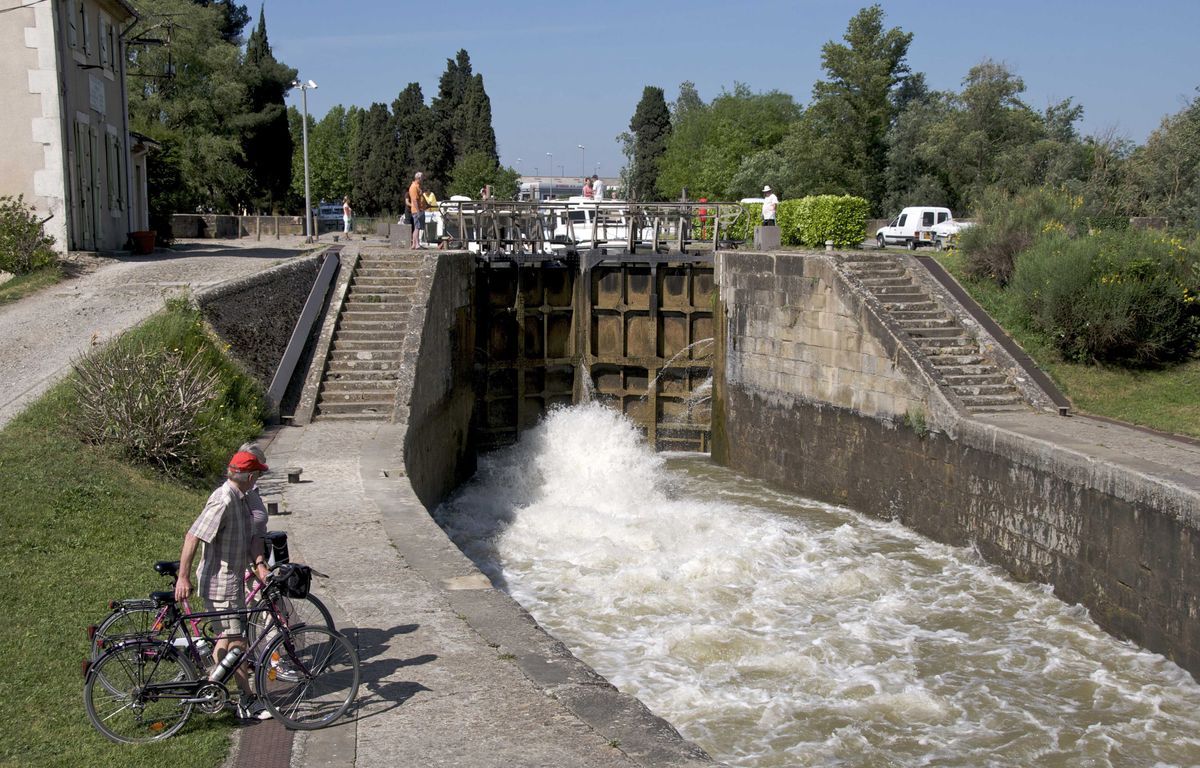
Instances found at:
x=416 y=208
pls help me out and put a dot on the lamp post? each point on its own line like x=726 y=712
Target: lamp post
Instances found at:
x=582 y=161
x=519 y=166
x=551 y=156
x=304 y=88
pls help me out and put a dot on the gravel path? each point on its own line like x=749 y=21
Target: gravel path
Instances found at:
x=41 y=334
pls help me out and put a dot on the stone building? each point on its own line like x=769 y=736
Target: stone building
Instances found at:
x=65 y=122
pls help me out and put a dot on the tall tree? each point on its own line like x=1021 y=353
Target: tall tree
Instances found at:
x=708 y=142
x=266 y=140
x=377 y=169
x=233 y=18
x=856 y=104
x=462 y=117
x=651 y=129
x=419 y=143
x=1165 y=173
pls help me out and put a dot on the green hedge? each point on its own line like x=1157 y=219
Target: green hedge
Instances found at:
x=1122 y=297
x=810 y=221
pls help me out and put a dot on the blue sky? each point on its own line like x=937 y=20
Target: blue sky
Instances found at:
x=561 y=74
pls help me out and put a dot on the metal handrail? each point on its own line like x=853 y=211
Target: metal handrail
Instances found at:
x=304 y=326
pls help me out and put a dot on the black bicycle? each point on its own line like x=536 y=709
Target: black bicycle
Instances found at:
x=144 y=689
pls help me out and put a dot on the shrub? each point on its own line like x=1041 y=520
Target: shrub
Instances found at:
x=810 y=221
x=1007 y=225
x=840 y=218
x=145 y=394
x=1124 y=297
x=24 y=246
x=146 y=401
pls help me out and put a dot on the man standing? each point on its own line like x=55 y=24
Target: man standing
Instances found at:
x=770 y=203
x=224 y=529
x=347 y=212
x=416 y=207
x=597 y=187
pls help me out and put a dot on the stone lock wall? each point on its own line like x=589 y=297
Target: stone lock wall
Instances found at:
x=805 y=403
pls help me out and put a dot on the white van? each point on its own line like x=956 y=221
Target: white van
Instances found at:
x=913 y=227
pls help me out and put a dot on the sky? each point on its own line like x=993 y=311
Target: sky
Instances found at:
x=564 y=74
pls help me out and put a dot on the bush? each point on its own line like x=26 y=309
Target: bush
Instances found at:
x=820 y=218
x=146 y=401
x=168 y=357
x=1007 y=225
x=810 y=221
x=1124 y=297
x=24 y=246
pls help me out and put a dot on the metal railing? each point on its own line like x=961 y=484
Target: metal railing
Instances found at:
x=559 y=227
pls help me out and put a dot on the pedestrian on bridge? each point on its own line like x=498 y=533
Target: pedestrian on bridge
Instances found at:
x=770 y=203
x=416 y=208
x=347 y=212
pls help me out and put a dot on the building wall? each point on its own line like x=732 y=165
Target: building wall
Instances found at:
x=62 y=82
x=31 y=163
x=793 y=406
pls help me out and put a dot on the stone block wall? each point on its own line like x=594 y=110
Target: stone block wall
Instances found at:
x=793 y=409
x=795 y=329
x=256 y=314
x=436 y=396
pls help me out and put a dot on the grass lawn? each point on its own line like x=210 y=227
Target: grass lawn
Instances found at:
x=24 y=285
x=1166 y=399
x=79 y=525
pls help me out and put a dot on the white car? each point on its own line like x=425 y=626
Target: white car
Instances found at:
x=945 y=235
x=911 y=227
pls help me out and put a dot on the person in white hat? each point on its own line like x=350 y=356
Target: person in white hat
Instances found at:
x=770 y=203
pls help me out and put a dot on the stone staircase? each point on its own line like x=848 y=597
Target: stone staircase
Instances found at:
x=954 y=354
x=361 y=373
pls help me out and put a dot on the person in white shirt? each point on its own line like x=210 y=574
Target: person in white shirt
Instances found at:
x=770 y=203
x=597 y=188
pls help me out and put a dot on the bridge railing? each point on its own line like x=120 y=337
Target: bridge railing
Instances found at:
x=551 y=227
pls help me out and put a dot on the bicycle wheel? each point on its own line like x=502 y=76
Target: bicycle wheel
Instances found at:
x=315 y=680
x=118 y=702
x=130 y=620
x=307 y=611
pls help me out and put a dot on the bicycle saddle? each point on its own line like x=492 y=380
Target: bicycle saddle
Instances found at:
x=167 y=567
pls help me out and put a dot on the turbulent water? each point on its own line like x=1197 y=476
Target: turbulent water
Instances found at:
x=776 y=631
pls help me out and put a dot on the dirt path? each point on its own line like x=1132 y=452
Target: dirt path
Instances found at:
x=40 y=335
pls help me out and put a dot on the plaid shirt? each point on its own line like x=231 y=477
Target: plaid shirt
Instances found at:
x=224 y=527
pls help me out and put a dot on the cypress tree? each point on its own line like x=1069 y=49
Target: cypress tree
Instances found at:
x=651 y=128
x=376 y=172
x=420 y=144
x=265 y=138
x=462 y=116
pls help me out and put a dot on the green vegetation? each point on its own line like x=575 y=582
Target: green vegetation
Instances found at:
x=80 y=525
x=809 y=221
x=476 y=169
x=24 y=246
x=649 y=130
x=1165 y=398
x=25 y=285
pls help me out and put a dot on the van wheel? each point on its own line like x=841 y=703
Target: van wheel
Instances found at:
x=912 y=245
x=938 y=245
x=882 y=243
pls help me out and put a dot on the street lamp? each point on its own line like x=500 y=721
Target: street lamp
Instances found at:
x=304 y=87
x=518 y=166
x=551 y=156
x=582 y=162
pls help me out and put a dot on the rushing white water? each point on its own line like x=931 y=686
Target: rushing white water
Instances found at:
x=776 y=631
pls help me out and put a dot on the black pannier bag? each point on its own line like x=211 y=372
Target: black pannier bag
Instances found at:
x=295 y=580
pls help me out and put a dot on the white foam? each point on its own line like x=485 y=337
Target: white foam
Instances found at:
x=779 y=632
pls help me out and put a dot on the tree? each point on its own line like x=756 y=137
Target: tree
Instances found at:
x=421 y=145
x=331 y=148
x=233 y=18
x=476 y=169
x=708 y=143
x=855 y=106
x=461 y=116
x=651 y=129
x=1165 y=173
x=266 y=140
x=376 y=173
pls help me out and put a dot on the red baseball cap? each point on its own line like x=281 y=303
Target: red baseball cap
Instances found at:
x=244 y=461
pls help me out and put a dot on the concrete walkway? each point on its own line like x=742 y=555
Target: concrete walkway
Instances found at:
x=454 y=672
x=41 y=334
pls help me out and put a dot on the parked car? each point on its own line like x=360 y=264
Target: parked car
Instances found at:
x=913 y=227
x=945 y=235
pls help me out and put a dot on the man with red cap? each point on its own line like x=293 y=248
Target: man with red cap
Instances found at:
x=224 y=530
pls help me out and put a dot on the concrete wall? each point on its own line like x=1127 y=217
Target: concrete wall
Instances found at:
x=436 y=396
x=792 y=409
x=257 y=314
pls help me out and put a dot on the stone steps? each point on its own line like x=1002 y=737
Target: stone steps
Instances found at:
x=954 y=355
x=364 y=366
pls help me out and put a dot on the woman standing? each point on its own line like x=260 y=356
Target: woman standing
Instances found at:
x=347 y=212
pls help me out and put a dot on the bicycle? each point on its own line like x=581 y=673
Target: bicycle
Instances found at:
x=147 y=617
x=145 y=689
